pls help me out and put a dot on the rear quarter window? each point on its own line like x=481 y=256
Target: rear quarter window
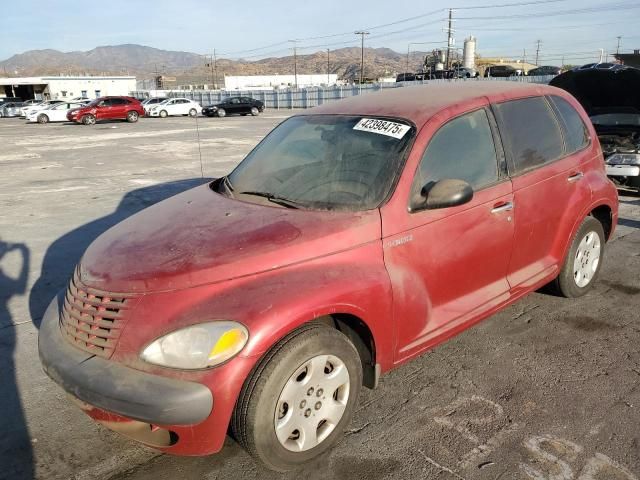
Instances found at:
x=576 y=134
x=530 y=131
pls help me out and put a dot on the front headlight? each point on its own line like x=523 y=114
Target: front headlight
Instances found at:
x=624 y=159
x=198 y=346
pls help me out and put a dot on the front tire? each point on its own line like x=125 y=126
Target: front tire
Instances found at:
x=254 y=111
x=132 y=117
x=193 y=112
x=583 y=261
x=42 y=118
x=163 y=114
x=298 y=400
x=88 y=120
x=221 y=112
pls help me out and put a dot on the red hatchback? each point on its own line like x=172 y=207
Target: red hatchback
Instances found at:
x=107 y=108
x=354 y=237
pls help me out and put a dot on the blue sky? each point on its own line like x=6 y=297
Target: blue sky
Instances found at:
x=252 y=29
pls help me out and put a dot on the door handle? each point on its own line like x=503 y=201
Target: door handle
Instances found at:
x=502 y=207
x=575 y=177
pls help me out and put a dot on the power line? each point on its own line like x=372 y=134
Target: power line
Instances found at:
x=620 y=6
x=519 y=4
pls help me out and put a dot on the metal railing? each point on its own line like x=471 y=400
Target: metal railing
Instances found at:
x=313 y=96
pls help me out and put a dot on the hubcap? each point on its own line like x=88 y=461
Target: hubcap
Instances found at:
x=312 y=403
x=587 y=259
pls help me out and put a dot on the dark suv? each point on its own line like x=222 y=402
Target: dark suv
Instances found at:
x=500 y=71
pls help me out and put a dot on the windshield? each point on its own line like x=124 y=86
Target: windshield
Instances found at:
x=326 y=162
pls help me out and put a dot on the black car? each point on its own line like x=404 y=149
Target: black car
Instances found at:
x=609 y=94
x=234 y=105
x=544 y=70
x=500 y=71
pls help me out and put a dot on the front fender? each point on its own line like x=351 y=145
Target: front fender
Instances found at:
x=273 y=303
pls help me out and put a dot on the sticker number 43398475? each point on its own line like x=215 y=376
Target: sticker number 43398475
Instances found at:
x=383 y=127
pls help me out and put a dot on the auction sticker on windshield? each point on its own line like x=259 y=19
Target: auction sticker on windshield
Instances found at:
x=383 y=127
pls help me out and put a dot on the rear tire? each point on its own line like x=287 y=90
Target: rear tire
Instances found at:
x=88 y=119
x=132 y=117
x=300 y=397
x=583 y=261
x=222 y=112
x=42 y=118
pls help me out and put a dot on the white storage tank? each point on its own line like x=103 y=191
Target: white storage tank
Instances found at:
x=469 y=55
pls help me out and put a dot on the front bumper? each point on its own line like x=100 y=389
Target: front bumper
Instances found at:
x=623 y=170
x=116 y=388
x=110 y=399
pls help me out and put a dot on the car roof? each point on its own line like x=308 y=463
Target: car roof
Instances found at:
x=421 y=102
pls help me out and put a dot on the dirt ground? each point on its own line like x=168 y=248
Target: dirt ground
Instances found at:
x=547 y=389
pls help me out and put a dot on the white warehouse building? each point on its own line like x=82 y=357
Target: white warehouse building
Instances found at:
x=60 y=87
x=260 y=82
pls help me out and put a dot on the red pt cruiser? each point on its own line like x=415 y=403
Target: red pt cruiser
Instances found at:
x=353 y=238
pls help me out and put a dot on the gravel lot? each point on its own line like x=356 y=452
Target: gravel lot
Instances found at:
x=547 y=389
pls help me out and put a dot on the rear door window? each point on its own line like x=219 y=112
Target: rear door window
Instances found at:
x=530 y=132
x=462 y=149
x=576 y=135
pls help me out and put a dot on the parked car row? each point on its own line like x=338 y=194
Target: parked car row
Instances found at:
x=88 y=112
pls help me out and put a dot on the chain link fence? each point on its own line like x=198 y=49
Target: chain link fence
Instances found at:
x=313 y=96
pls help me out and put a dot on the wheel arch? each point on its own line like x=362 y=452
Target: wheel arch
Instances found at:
x=359 y=333
x=604 y=214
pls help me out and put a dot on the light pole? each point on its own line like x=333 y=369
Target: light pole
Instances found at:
x=362 y=33
x=618 y=47
x=328 y=68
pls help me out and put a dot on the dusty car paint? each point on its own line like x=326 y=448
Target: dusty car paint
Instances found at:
x=412 y=279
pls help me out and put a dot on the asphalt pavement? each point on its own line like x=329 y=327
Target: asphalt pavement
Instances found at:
x=547 y=389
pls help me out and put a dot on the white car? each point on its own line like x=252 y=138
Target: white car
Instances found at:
x=175 y=106
x=149 y=103
x=53 y=113
x=37 y=107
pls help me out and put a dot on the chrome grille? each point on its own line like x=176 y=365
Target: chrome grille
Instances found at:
x=92 y=320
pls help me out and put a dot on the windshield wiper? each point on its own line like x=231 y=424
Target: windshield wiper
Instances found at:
x=227 y=184
x=285 y=202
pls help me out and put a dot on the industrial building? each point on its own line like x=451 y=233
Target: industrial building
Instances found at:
x=60 y=87
x=261 y=82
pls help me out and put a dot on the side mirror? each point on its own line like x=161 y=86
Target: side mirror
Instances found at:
x=445 y=193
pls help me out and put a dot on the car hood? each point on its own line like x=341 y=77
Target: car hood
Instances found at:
x=603 y=91
x=200 y=237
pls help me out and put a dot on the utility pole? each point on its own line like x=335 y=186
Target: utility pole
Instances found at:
x=215 y=69
x=538 y=50
x=328 y=68
x=211 y=68
x=362 y=33
x=449 y=40
x=407 y=69
x=618 y=47
x=295 y=62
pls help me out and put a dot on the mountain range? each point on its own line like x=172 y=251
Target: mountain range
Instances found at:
x=145 y=62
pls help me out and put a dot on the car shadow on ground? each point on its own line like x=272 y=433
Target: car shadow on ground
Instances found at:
x=16 y=454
